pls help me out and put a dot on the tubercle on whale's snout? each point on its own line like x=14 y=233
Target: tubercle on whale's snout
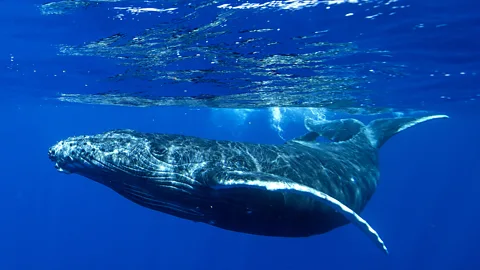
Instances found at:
x=66 y=155
x=52 y=155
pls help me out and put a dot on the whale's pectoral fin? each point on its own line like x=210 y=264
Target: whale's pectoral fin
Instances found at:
x=269 y=182
x=334 y=130
x=380 y=130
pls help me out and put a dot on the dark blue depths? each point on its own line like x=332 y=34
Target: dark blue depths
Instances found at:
x=425 y=207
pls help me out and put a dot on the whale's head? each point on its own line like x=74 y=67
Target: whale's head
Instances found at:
x=110 y=152
x=154 y=170
x=125 y=156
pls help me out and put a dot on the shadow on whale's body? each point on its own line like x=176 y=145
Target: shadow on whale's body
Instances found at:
x=296 y=189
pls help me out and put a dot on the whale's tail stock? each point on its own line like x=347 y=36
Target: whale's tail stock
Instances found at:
x=377 y=131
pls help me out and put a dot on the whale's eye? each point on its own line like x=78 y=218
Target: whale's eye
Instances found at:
x=159 y=151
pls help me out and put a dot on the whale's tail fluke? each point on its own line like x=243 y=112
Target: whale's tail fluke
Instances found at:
x=377 y=132
x=380 y=130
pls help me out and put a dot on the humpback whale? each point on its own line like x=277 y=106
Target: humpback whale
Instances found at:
x=300 y=188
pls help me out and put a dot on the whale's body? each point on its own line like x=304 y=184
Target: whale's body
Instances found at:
x=296 y=189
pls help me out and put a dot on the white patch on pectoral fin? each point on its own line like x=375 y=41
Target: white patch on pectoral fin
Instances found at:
x=288 y=186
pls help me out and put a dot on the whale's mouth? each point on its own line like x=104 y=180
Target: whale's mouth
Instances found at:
x=71 y=167
x=59 y=163
x=62 y=170
x=67 y=160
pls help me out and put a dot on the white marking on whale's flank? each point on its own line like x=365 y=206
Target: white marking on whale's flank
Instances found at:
x=258 y=166
x=420 y=120
x=318 y=195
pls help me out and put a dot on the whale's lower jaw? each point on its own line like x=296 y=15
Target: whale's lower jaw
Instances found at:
x=173 y=208
x=62 y=170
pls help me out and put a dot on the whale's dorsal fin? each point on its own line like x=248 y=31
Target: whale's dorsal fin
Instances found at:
x=334 y=130
x=270 y=182
x=309 y=137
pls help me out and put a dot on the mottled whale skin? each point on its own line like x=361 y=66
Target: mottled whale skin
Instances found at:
x=296 y=189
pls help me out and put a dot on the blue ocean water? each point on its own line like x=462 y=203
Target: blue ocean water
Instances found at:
x=68 y=65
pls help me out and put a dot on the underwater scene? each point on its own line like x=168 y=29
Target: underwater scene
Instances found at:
x=229 y=134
